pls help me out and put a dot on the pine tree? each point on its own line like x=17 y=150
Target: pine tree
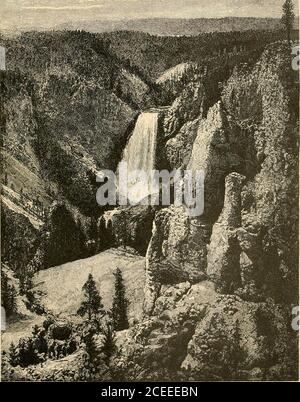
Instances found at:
x=8 y=297
x=92 y=360
x=13 y=300
x=91 y=347
x=26 y=279
x=120 y=303
x=109 y=341
x=288 y=17
x=92 y=304
x=13 y=355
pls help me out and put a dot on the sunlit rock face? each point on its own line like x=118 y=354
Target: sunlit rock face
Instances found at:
x=223 y=256
x=176 y=253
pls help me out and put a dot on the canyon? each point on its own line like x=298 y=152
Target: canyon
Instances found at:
x=209 y=296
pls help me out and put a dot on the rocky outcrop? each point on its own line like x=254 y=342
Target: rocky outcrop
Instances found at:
x=197 y=334
x=179 y=148
x=214 y=154
x=239 y=340
x=178 y=248
x=174 y=80
x=157 y=346
x=239 y=274
x=176 y=253
x=246 y=251
x=223 y=256
x=128 y=226
x=268 y=237
x=188 y=106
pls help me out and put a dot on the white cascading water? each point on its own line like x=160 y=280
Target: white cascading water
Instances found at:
x=139 y=155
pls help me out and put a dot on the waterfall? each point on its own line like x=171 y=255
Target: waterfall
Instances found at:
x=140 y=150
x=139 y=155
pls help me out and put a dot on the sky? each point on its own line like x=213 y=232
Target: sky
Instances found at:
x=49 y=13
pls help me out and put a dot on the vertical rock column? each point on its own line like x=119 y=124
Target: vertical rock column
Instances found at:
x=223 y=253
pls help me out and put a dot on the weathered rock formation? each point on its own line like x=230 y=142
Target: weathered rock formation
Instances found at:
x=127 y=226
x=223 y=257
x=187 y=106
x=197 y=334
x=219 y=288
x=179 y=148
x=176 y=253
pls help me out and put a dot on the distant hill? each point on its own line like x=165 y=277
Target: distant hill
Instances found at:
x=176 y=26
x=164 y=26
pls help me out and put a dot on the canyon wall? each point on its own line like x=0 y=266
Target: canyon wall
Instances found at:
x=220 y=288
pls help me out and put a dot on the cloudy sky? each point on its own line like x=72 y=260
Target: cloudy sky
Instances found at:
x=47 y=13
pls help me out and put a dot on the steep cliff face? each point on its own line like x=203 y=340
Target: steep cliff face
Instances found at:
x=242 y=340
x=255 y=139
x=178 y=248
x=269 y=197
x=219 y=288
x=69 y=108
x=182 y=88
x=214 y=154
